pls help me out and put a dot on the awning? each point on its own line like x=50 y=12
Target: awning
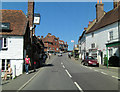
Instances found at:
x=113 y=44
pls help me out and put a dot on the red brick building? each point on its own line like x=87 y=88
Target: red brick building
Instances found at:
x=63 y=46
x=51 y=43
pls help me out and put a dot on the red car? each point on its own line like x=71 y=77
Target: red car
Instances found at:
x=90 y=61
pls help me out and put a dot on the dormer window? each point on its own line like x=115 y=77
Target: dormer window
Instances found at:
x=92 y=34
x=93 y=45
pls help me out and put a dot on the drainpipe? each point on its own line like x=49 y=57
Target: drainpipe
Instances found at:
x=107 y=56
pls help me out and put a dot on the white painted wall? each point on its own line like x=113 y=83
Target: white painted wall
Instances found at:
x=101 y=36
x=15 y=48
x=82 y=44
x=14 y=53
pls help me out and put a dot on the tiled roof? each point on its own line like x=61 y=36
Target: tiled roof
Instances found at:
x=49 y=38
x=109 y=18
x=17 y=20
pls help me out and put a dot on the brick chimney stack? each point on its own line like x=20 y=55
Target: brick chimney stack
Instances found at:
x=30 y=12
x=49 y=33
x=116 y=3
x=42 y=37
x=99 y=10
x=85 y=28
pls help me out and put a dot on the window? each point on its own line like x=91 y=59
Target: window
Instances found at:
x=110 y=52
x=55 y=43
x=111 y=35
x=93 y=45
x=92 y=34
x=53 y=48
x=57 y=48
x=4 y=43
x=55 y=39
x=5 y=64
x=8 y=62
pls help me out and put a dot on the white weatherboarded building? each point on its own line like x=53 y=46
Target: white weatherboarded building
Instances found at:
x=14 y=33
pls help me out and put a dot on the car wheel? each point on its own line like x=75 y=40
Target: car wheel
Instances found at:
x=97 y=65
x=86 y=64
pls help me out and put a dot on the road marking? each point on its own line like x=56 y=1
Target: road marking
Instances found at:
x=104 y=73
x=90 y=68
x=115 y=77
x=63 y=66
x=68 y=73
x=78 y=86
x=61 y=63
x=96 y=70
x=29 y=80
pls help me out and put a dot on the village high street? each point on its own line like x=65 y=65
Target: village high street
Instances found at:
x=60 y=46
x=62 y=73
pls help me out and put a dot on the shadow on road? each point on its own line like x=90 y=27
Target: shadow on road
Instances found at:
x=32 y=71
x=5 y=83
x=118 y=79
x=47 y=65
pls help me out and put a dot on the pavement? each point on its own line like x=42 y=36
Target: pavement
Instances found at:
x=21 y=81
x=110 y=68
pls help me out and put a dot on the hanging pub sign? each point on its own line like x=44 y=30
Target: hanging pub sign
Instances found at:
x=36 y=18
x=5 y=26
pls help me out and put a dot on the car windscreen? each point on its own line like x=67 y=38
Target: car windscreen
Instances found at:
x=91 y=58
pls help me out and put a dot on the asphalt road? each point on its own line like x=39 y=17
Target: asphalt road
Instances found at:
x=62 y=73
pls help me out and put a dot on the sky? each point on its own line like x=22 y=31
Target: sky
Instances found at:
x=65 y=20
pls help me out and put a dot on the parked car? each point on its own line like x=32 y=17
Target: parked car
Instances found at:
x=90 y=61
x=59 y=54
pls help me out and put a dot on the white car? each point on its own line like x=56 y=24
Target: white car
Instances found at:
x=59 y=54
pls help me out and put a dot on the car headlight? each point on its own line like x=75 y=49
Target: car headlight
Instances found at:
x=89 y=62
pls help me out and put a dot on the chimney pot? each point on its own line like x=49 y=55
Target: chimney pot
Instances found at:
x=99 y=11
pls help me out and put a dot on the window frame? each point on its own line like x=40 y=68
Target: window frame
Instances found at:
x=92 y=45
x=5 y=64
x=111 y=36
x=3 y=43
x=92 y=34
x=110 y=52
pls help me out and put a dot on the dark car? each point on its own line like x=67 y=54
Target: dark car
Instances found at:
x=90 y=61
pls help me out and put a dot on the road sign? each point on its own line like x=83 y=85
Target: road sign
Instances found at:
x=72 y=40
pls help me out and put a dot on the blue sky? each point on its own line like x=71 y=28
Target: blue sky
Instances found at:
x=65 y=20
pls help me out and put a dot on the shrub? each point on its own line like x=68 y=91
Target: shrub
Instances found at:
x=105 y=61
x=114 y=61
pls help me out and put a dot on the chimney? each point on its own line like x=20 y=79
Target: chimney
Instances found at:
x=99 y=10
x=116 y=3
x=31 y=12
x=89 y=23
x=42 y=37
x=49 y=33
x=85 y=28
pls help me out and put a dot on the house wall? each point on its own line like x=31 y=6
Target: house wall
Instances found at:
x=14 y=53
x=0 y=43
x=101 y=37
x=83 y=47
